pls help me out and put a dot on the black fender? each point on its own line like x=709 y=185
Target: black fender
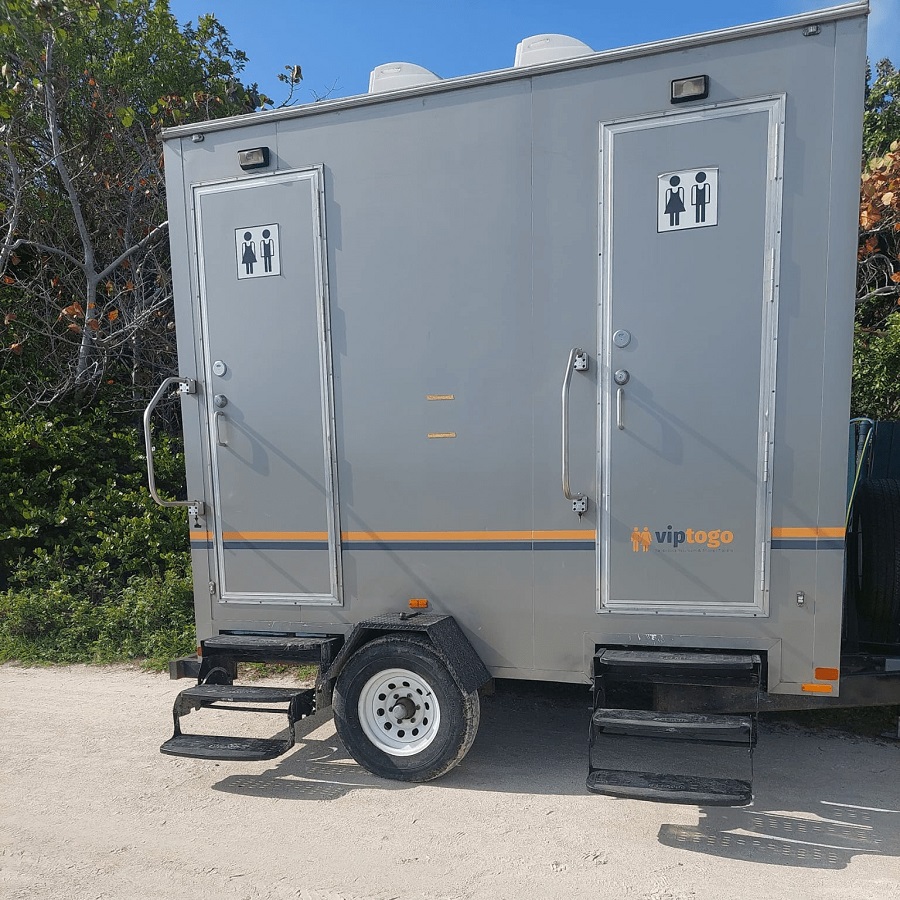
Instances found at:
x=445 y=635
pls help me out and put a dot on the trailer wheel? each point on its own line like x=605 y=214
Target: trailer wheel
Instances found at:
x=400 y=713
x=878 y=507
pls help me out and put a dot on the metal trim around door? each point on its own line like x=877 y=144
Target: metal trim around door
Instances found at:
x=315 y=175
x=774 y=106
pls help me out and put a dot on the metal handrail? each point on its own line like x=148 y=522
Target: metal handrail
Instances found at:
x=186 y=386
x=567 y=381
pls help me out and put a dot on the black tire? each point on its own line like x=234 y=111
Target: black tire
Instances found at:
x=878 y=509
x=458 y=711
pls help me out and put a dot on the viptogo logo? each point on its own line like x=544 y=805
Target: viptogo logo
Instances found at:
x=642 y=539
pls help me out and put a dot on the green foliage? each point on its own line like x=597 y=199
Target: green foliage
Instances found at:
x=85 y=89
x=881 y=119
x=876 y=370
x=90 y=568
x=151 y=618
x=876 y=356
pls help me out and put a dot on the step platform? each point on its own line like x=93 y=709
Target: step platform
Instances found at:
x=670 y=788
x=678 y=667
x=296 y=704
x=699 y=727
x=319 y=650
x=630 y=750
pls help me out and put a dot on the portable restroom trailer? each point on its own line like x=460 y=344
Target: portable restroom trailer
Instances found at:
x=538 y=374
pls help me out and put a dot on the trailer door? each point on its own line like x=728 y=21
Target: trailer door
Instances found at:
x=269 y=408
x=690 y=222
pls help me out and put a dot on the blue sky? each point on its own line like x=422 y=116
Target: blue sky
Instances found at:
x=339 y=42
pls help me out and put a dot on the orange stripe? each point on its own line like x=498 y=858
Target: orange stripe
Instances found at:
x=577 y=535
x=807 y=532
x=468 y=535
x=275 y=536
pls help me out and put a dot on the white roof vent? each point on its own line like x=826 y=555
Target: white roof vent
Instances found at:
x=396 y=76
x=544 y=48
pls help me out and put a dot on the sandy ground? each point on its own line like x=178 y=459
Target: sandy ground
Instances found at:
x=89 y=808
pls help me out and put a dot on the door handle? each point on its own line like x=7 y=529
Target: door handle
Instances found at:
x=578 y=361
x=218 y=418
x=620 y=408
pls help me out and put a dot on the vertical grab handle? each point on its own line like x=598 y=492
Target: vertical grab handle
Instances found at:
x=578 y=361
x=185 y=386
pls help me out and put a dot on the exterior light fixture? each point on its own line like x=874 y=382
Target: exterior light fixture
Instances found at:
x=257 y=158
x=694 y=88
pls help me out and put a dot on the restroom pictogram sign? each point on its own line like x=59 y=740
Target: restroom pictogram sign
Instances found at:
x=258 y=251
x=687 y=199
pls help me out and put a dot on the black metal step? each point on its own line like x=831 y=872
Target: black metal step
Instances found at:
x=300 y=704
x=696 y=727
x=670 y=788
x=204 y=746
x=242 y=693
x=269 y=649
x=681 y=667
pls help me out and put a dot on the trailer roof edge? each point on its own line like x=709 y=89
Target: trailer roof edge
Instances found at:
x=786 y=23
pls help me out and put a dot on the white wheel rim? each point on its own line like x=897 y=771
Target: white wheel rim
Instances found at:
x=398 y=712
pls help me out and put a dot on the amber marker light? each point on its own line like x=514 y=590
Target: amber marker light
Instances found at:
x=199 y=650
x=418 y=603
x=824 y=673
x=817 y=688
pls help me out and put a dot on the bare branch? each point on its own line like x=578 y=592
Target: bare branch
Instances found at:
x=24 y=242
x=131 y=250
x=59 y=162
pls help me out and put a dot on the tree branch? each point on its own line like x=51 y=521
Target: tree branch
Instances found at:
x=23 y=242
x=59 y=162
x=138 y=246
x=13 y=223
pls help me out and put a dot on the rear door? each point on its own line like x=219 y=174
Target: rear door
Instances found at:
x=689 y=252
x=269 y=402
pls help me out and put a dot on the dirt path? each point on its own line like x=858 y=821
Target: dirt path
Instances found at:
x=90 y=809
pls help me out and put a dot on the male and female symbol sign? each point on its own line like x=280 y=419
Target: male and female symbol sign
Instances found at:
x=694 y=188
x=258 y=251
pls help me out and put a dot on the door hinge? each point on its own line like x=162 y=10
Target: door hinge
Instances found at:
x=772 y=281
x=762 y=566
x=766 y=458
x=212 y=589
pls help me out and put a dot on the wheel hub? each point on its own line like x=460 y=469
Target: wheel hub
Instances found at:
x=405 y=708
x=398 y=712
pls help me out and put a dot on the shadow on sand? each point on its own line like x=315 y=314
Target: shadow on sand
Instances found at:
x=820 y=800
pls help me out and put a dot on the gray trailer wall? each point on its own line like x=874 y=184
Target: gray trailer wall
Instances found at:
x=462 y=257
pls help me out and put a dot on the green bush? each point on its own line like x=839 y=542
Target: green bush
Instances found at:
x=90 y=568
x=876 y=362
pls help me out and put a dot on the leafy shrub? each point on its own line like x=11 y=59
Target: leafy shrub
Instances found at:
x=875 y=366
x=90 y=568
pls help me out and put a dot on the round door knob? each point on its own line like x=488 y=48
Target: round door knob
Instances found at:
x=220 y=400
x=621 y=377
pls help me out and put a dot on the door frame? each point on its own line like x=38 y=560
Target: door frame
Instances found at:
x=316 y=176
x=774 y=106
